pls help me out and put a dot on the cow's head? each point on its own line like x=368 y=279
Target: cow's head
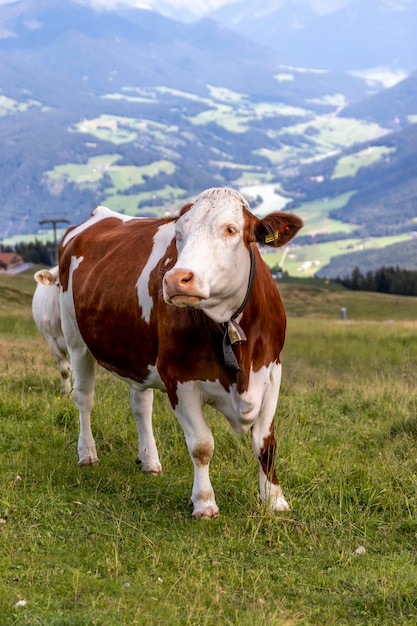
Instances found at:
x=213 y=236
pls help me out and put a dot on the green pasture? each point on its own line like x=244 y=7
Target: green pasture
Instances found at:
x=332 y=132
x=322 y=300
x=114 y=128
x=239 y=112
x=81 y=173
x=324 y=135
x=120 y=129
x=129 y=204
x=252 y=175
x=122 y=176
x=279 y=158
x=234 y=112
x=226 y=116
x=315 y=215
x=349 y=165
x=109 y=546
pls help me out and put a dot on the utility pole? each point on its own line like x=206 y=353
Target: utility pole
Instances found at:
x=54 y=221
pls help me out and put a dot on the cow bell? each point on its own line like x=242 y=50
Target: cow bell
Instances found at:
x=235 y=332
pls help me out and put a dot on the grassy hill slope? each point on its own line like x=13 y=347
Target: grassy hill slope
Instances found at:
x=107 y=544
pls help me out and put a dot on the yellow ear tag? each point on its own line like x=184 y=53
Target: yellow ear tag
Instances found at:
x=274 y=237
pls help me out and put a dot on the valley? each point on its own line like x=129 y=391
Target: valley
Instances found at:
x=155 y=113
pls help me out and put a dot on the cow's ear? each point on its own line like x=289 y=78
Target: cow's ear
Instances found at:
x=277 y=229
x=45 y=277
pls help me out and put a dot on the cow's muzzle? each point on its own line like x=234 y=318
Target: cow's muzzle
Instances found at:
x=180 y=288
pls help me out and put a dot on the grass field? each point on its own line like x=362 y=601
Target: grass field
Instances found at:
x=110 y=546
x=316 y=215
x=122 y=176
x=349 y=165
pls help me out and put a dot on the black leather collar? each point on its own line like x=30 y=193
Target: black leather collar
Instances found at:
x=233 y=333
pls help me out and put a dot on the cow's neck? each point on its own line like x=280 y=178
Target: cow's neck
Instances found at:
x=233 y=333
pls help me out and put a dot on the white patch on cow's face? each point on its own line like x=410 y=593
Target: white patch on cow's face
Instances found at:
x=211 y=249
x=99 y=213
x=163 y=237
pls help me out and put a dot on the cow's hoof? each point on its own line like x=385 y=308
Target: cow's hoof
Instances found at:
x=153 y=469
x=207 y=512
x=88 y=460
x=279 y=504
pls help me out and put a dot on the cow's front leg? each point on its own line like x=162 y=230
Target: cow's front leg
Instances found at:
x=264 y=446
x=148 y=458
x=200 y=444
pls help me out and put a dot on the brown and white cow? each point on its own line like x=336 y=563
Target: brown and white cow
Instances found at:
x=45 y=311
x=187 y=305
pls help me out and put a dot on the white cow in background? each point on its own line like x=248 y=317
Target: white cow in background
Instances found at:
x=46 y=313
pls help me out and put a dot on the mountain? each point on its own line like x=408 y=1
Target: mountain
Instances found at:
x=115 y=106
x=356 y=36
x=394 y=107
x=181 y=10
x=190 y=10
x=112 y=49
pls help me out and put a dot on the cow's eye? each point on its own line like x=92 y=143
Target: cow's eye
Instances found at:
x=230 y=230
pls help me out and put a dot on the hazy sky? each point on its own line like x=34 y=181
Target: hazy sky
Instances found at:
x=323 y=6
x=204 y=3
x=202 y=6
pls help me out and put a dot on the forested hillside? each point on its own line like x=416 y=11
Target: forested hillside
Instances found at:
x=402 y=255
x=394 y=107
x=381 y=178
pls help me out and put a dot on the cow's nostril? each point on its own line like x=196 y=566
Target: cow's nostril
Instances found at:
x=186 y=278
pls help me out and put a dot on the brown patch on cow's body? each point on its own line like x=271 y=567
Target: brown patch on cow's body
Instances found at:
x=110 y=320
x=264 y=323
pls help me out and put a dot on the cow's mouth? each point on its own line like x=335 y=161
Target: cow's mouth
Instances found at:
x=181 y=299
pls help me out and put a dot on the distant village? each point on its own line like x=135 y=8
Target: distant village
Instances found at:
x=12 y=263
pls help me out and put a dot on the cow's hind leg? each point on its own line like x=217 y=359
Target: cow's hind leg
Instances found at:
x=264 y=447
x=83 y=364
x=61 y=357
x=141 y=403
